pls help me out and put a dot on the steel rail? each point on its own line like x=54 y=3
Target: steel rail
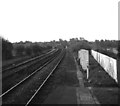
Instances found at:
x=3 y=94
x=48 y=54
x=27 y=61
x=29 y=101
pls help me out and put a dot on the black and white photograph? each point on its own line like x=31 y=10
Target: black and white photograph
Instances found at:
x=59 y=52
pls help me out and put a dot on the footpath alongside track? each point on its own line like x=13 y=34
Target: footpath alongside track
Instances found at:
x=68 y=86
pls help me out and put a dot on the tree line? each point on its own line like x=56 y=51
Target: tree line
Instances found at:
x=10 y=50
x=106 y=47
x=7 y=48
x=103 y=46
x=13 y=50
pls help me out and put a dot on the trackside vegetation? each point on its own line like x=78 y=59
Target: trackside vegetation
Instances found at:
x=22 y=49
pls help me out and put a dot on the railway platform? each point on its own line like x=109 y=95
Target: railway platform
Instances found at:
x=58 y=81
x=75 y=93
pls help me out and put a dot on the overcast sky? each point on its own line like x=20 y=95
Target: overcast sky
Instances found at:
x=46 y=20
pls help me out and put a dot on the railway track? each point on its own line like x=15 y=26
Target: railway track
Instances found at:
x=24 y=65
x=15 y=77
x=19 y=60
x=31 y=100
x=11 y=90
x=25 y=62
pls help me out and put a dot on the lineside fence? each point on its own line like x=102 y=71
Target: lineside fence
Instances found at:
x=109 y=64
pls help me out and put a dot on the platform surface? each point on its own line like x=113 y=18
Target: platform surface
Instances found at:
x=70 y=94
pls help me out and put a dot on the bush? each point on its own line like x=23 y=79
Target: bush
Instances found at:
x=20 y=50
x=118 y=49
x=81 y=45
x=7 y=48
x=36 y=49
x=110 y=54
x=28 y=51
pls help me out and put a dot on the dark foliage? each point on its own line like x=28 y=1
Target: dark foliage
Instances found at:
x=7 y=48
x=106 y=44
x=81 y=45
x=28 y=51
x=32 y=50
x=103 y=45
x=20 y=50
x=36 y=49
x=119 y=49
x=110 y=54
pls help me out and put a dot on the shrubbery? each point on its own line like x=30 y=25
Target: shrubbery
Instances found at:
x=28 y=51
x=80 y=45
x=10 y=50
x=20 y=50
x=119 y=49
x=7 y=48
x=105 y=47
x=32 y=50
x=110 y=54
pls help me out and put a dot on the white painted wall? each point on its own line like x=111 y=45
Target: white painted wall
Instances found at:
x=108 y=63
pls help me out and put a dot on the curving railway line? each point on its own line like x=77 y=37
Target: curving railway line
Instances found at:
x=17 y=74
x=21 y=86
x=26 y=61
x=25 y=65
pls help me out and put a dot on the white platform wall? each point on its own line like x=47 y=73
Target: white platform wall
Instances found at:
x=108 y=63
